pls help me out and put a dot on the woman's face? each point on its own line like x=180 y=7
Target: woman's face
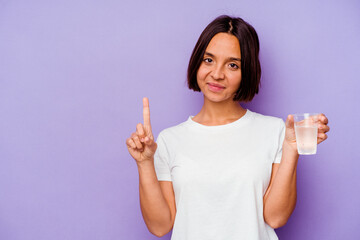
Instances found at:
x=219 y=74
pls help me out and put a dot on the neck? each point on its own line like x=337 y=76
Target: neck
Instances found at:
x=219 y=113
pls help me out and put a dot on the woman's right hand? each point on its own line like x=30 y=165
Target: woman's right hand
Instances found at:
x=141 y=144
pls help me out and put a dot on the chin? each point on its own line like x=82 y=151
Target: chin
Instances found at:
x=217 y=99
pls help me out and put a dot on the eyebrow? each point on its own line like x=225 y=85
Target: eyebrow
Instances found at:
x=230 y=58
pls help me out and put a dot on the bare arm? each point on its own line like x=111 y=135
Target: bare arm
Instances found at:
x=280 y=197
x=156 y=199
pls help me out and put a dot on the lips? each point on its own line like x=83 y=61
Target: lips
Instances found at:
x=214 y=87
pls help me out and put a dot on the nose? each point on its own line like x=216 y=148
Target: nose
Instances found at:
x=218 y=73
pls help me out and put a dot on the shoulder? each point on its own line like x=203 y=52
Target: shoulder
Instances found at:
x=267 y=121
x=269 y=127
x=174 y=130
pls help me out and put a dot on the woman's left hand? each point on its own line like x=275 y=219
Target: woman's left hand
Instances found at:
x=290 y=137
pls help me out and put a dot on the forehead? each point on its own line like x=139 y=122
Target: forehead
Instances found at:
x=224 y=44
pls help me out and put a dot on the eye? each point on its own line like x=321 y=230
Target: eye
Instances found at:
x=207 y=60
x=233 y=66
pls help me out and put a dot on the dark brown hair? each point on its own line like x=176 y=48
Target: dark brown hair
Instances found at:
x=249 y=47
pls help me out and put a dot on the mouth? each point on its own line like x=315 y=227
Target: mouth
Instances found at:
x=214 y=87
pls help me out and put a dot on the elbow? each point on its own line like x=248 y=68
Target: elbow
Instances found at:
x=276 y=220
x=159 y=228
x=159 y=232
x=276 y=223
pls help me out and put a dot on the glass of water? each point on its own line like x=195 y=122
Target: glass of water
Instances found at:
x=306 y=130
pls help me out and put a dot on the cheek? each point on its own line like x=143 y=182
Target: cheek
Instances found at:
x=201 y=74
x=236 y=80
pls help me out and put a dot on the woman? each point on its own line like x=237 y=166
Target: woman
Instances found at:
x=226 y=173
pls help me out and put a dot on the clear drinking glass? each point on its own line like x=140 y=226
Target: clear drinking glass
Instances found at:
x=306 y=130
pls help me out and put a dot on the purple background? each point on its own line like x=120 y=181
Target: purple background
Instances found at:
x=72 y=76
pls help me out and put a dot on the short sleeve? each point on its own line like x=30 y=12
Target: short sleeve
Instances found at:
x=280 y=140
x=161 y=160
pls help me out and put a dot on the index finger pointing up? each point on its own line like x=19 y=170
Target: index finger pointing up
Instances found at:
x=146 y=114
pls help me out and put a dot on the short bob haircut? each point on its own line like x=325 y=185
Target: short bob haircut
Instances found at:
x=249 y=47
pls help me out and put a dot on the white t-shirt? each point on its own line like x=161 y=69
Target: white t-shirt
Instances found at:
x=220 y=175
